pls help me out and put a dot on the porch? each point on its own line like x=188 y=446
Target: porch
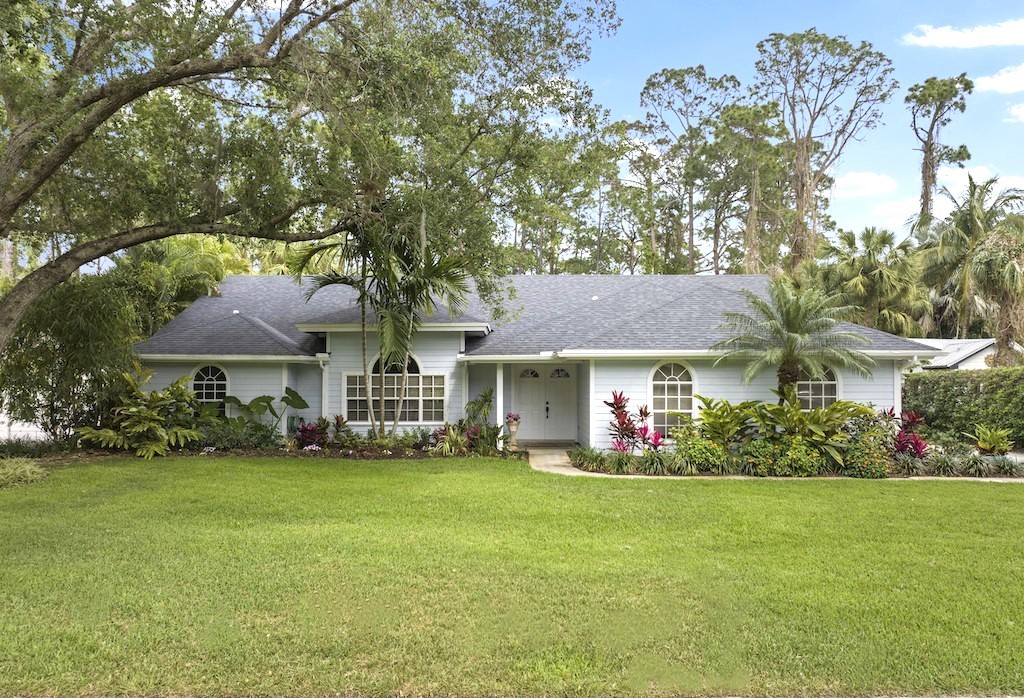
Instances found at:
x=552 y=399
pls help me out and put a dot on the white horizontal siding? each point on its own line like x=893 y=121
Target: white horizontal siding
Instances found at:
x=246 y=380
x=436 y=352
x=307 y=381
x=723 y=381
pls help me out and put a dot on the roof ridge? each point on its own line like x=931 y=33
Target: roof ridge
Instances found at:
x=274 y=334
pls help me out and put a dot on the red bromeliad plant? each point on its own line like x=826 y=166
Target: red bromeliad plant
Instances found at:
x=629 y=430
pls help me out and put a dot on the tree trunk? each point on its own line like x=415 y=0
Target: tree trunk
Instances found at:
x=7 y=257
x=751 y=243
x=367 y=382
x=928 y=173
x=691 y=247
x=788 y=374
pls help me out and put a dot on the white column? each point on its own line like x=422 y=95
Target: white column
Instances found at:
x=284 y=408
x=499 y=392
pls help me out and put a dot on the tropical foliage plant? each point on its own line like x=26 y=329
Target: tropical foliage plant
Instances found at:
x=152 y=423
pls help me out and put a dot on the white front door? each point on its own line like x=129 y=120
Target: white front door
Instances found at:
x=545 y=398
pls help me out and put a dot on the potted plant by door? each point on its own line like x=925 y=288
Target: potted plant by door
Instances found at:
x=512 y=421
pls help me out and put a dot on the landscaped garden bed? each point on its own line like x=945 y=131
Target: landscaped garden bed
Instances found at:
x=786 y=440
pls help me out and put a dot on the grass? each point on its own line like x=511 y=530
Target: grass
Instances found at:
x=309 y=577
x=19 y=471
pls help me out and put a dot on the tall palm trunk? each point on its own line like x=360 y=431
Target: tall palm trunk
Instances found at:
x=401 y=388
x=366 y=366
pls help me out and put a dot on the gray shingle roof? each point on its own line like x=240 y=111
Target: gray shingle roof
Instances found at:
x=545 y=313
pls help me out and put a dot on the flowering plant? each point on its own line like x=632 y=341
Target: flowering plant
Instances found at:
x=512 y=418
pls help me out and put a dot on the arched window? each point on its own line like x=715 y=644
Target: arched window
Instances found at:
x=671 y=391
x=211 y=386
x=423 y=402
x=817 y=392
x=560 y=373
x=529 y=373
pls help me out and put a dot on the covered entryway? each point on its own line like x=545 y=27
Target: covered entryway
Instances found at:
x=544 y=395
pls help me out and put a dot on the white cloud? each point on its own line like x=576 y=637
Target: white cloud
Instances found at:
x=1016 y=113
x=1008 y=33
x=955 y=179
x=1006 y=81
x=895 y=214
x=859 y=185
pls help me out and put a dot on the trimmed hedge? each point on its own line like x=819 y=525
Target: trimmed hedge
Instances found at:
x=955 y=401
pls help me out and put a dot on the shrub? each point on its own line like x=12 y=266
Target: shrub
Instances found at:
x=32 y=448
x=1006 y=467
x=311 y=434
x=866 y=458
x=944 y=463
x=798 y=458
x=19 y=471
x=702 y=453
x=620 y=463
x=450 y=440
x=227 y=434
x=990 y=441
x=587 y=458
x=975 y=466
x=910 y=443
x=724 y=423
x=676 y=464
x=651 y=462
x=823 y=429
x=150 y=423
x=955 y=401
x=758 y=457
x=908 y=465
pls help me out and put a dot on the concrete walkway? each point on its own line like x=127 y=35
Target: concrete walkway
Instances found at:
x=556 y=460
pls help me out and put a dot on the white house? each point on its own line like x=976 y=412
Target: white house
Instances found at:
x=964 y=354
x=565 y=344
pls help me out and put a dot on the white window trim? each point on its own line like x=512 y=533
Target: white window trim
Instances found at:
x=838 y=381
x=227 y=381
x=444 y=401
x=694 y=391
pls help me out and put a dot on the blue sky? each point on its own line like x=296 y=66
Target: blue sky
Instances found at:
x=878 y=178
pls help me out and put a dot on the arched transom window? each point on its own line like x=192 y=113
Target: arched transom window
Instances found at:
x=560 y=373
x=817 y=392
x=211 y=386
x=424 y=395
x=529 y=373
x=671 y=391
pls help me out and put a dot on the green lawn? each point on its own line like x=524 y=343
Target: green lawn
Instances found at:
x=273 y=576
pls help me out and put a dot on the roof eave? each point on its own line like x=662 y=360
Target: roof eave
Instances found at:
x=269 y=358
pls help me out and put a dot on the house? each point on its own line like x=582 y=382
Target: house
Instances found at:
x=960 y=353
x=565 y=344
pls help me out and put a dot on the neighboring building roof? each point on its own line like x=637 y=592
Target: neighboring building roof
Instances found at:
x=556 y=313
x=955 y=351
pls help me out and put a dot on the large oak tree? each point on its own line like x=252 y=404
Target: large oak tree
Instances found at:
x=129 y=122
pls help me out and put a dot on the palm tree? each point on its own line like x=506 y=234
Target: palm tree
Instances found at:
x=950 y=247
x=997 y=270
x=397 y=278
x=880 y=276
x=795 y=331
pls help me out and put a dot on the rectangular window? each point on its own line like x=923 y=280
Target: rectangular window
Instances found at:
x=424 y=398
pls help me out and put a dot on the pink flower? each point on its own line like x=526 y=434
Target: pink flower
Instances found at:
x=656 y=440
x=642 y=431
x=620 y=446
